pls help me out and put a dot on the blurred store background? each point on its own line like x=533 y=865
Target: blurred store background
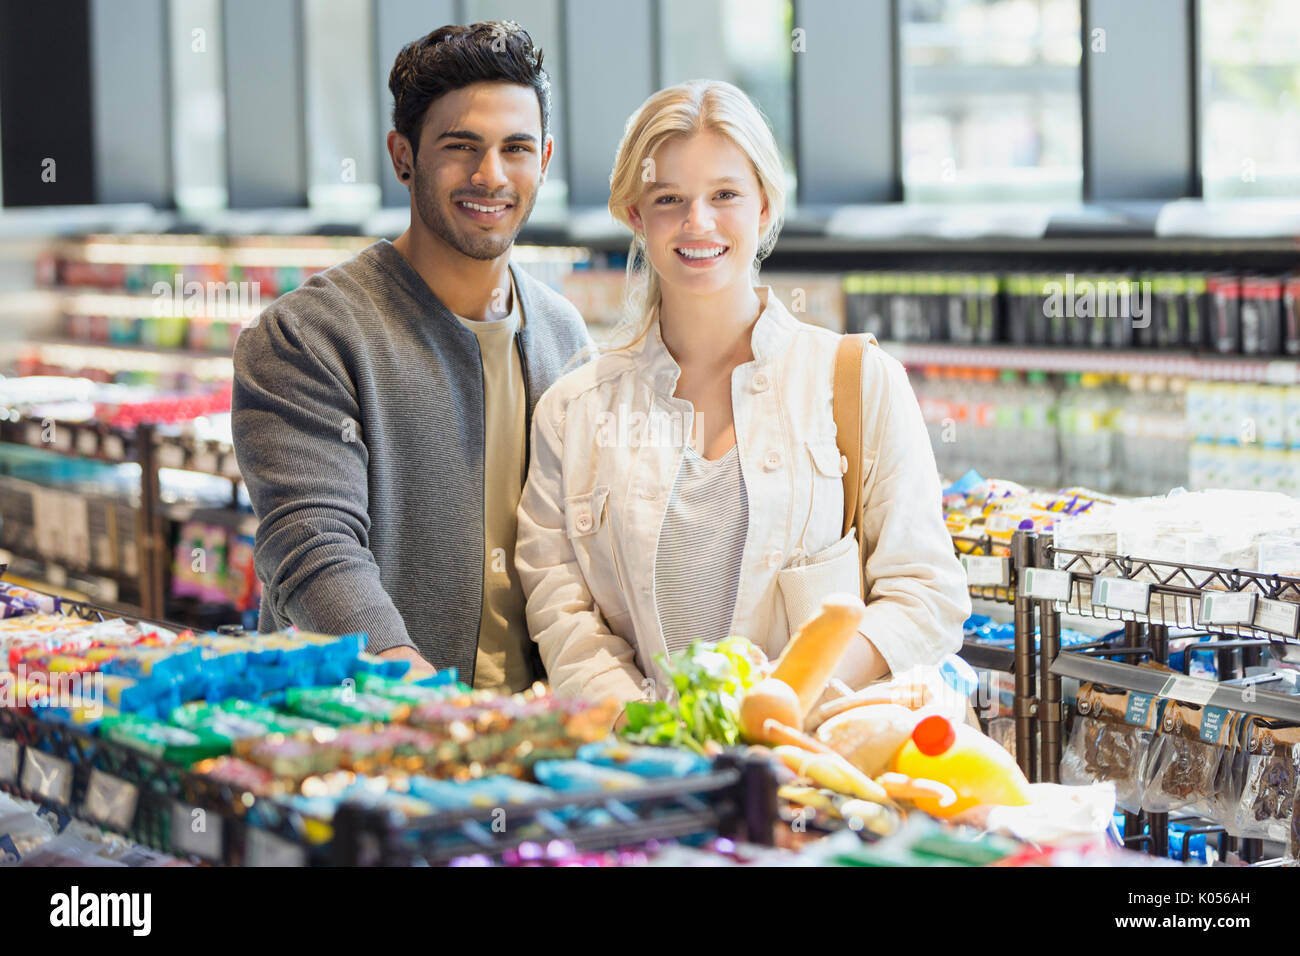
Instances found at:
x=1075 y=221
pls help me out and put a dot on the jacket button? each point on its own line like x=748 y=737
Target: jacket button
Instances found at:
x=583 y=522
x=774 y=559
x=760 y=382
x=844 y=464
x=772 y=460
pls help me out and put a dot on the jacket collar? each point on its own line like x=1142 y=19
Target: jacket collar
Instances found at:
x=772 y=334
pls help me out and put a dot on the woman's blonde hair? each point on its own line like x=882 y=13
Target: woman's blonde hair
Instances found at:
x=694 y=107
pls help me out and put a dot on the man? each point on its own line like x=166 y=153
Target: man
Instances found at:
x=381 y=411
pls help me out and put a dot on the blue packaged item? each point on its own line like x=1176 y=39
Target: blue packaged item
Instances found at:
x=328 y=673
x=576 y=776
x=965 y=484
x=1196 y=844
x=380 y=666
x=155 y=663
x=643 y=761
x=958 y=675
x=127 y=694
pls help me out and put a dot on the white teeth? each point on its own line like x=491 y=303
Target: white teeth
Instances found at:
x=475 y=206
x=703 y=253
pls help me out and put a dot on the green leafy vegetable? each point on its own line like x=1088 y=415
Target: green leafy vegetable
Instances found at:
x=710 y=680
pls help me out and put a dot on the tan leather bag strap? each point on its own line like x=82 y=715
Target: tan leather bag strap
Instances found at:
x=846 y=404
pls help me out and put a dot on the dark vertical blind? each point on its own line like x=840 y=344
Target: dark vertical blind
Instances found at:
x=46 y=131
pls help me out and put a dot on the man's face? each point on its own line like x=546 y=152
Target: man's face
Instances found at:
x=480 y=163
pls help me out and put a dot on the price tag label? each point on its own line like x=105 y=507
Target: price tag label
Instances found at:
x=1224 y=607
x=47 y=776
x=87 y=442
x=1189 y=689
x=110 y=801
x=205 y=460
x=171 y=455
x=61 y=437
x=1138 y=711
x=33 y=434
x=1120 y=594
x=984 y=570
x=1214 y=721
x=267 y=849
x=196 y=831
x=1045 y=584
x=1277 y=617
x=10 y=753
x=112 y=447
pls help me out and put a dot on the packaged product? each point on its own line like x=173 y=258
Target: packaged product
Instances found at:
x=161 y=740
x=1268 y=780
x=1188 y=762
x=240 y=774
x=575 y=776
x=1112 y=734
x=295 y=757
x=342 y=705
x=644 y=761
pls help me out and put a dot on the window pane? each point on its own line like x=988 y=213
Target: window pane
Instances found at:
x=541 y=18
x=342 y=153
x=990 y=100
x=745 y=42
x=1250 y=68
x=195 y=55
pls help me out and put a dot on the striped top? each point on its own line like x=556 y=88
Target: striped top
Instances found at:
x=697 y=563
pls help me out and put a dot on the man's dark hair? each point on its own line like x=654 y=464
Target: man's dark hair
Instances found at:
x=454 y=57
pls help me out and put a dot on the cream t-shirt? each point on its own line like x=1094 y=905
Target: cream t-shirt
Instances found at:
x=503 y=642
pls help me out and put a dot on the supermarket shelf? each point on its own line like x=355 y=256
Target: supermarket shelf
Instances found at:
x=736 y=799
x=155 y=803
x=986 y=657
x=1273 y=371
x=146 y=799
x=1190 y=690
x=82 y=439
x=121 y=350
x=119 y=446
x=1176 y=592
x=60 y=579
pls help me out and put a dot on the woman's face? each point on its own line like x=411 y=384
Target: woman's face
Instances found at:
x=701 y=214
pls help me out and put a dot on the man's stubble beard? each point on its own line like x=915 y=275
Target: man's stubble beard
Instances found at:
x=483 y=247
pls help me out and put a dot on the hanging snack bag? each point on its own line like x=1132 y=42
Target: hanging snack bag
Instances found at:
x=1268 y=782
x=1186 y=759
x=1112 y=734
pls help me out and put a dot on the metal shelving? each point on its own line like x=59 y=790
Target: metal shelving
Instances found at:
x=177 y=811
x=152 y=448
x=1151 y=595
x=1173 y=364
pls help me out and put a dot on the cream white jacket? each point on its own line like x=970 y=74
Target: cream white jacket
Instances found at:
x=607 y=443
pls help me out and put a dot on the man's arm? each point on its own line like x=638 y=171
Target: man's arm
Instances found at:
x=303 y=457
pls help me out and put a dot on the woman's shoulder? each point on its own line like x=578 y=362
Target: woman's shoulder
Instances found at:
x=585 y=380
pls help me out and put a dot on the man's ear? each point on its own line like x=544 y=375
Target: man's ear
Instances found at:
x=547 y=149
x=399 y=152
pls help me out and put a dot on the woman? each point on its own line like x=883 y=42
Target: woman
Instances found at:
x=673 y=478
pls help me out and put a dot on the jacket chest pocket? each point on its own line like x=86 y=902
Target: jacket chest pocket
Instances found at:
x=828 y=467
x=587 y=524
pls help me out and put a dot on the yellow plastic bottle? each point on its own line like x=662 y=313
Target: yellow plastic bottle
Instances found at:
x=977 y=769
